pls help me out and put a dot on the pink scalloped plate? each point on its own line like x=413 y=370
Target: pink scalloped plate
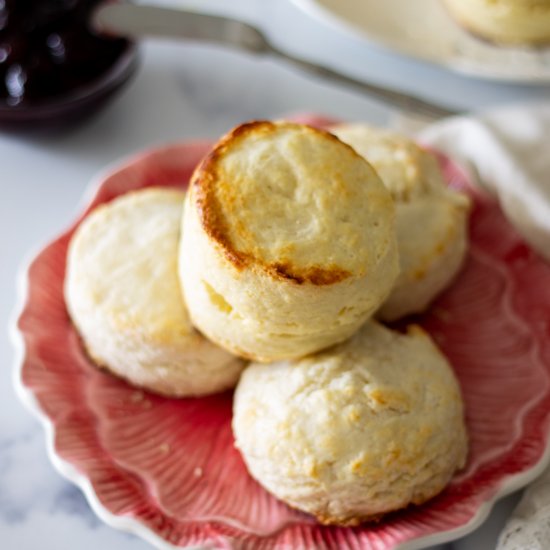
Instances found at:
x=167 y=469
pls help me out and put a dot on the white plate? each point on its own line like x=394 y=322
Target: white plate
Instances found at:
x=424 y=30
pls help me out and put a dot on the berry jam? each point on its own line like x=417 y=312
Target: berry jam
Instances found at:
x=48 y=49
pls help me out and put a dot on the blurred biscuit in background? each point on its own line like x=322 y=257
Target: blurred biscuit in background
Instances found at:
x=506 y=22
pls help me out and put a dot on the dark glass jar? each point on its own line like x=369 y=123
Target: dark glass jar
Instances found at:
x=53 y=65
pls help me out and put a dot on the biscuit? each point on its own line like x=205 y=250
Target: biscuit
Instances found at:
x=431 y=219
x=288 y=243
x=407 y=170
x=364 y=428
x=514 y=22
x=122 y=293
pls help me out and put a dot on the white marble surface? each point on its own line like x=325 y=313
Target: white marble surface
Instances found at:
x=181 y=91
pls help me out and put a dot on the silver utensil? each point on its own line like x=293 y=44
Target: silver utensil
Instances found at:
x=134 y=20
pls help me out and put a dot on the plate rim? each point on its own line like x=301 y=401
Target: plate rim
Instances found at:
x=330 y=18
x=506 y=486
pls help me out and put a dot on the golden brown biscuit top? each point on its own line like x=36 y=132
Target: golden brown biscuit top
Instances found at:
x=294 y=201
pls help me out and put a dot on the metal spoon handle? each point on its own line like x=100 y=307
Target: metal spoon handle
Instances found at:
x=124 y=18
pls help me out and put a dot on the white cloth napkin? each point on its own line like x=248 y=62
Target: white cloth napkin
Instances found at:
x=508 y=152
